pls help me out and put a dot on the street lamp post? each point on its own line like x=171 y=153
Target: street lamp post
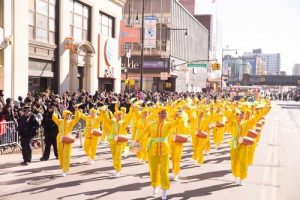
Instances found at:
x=142 y=51
x=128 y=54
x=172 y=29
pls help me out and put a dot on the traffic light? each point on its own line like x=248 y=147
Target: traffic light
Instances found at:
x=215 y=66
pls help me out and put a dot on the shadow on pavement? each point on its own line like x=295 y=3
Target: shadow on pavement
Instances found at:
x=202 y=191
x=62 y=185
x=104 y=169
x=217 y=160
x=107 y=192
x=204 y=176
x=24 y=180
x=10 y=165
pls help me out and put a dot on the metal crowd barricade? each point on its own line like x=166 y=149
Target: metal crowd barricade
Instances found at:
x=9 y=138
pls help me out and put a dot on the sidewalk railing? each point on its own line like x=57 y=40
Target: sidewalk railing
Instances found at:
x=9 y=138
x=10 y=141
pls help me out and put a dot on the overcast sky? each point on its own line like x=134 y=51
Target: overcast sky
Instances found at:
x=272 y=25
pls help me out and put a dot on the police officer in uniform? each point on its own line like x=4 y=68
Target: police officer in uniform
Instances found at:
x=27 y=127
x=50 y=133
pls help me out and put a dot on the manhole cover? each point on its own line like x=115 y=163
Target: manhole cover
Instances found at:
x=40 y=180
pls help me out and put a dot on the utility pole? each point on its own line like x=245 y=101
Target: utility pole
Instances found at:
x=142 y=50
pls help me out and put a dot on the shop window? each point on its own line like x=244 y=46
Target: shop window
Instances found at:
x=40 y=65
x=42 y=20
x=79 y=21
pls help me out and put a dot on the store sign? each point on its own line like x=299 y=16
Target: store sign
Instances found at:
x=150 y=32
x=164 y=75
x=109 y=73
x=111 y=51
x=135 y=65
x=69 y=43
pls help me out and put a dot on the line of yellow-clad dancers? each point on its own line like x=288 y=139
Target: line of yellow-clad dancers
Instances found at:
x=159 y=133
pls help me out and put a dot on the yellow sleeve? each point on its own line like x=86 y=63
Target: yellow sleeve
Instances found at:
x=128 y=117
x=147 y=129
x=116 y=107
x=83 y=116
x=76 y=119
x=55 y=119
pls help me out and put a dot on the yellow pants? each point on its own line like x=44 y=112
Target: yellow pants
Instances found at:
x=64 y=154
x=239 y=161
x=159 y=171
x=193 y=140
x=258 y=136
x=176 y=154
x=133 y=132
x=103 y=136
x=90 y=146
x=142 y=153
x=199 y=149
x=234 y=155
x=243 y=161
x=227 y=127
x=207 y=142
x=218 y=135
x=116 y=151
x=251 y=151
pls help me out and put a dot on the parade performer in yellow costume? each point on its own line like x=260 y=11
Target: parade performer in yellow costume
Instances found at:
x=211 y=124
x=218 y=132
x=159 y=151
x=141 y=137
x=201 y=125
x=176 y=148
x=251 y=126
x=234 y=153
x=118 y=129
x=91 y=141
x=238 y=151
x=65 y=127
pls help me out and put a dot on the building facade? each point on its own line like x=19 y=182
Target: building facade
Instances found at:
x=206 y=12
x=272 y=60
x=234 y=68
x=257 y=64
x=179 y=39
x=296 y=70
x=59 y=45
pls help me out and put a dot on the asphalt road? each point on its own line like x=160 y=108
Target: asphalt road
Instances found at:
x=275 y=174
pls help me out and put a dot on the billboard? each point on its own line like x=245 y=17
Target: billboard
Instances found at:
x=150 y=32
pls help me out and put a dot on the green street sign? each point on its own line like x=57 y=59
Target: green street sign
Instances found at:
x=197 y=65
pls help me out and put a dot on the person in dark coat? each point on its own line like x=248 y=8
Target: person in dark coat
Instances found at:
x=27 y=127
x=8 y=111
x=50 y=133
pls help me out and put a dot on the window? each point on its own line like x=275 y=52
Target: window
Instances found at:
x=42 y=20
x=107 y=25
x=79 y=21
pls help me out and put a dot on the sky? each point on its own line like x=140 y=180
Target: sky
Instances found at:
x=272 y=25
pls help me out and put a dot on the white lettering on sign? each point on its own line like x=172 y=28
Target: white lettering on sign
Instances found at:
x=132 y=65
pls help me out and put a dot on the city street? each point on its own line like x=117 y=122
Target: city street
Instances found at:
x=275 y=174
